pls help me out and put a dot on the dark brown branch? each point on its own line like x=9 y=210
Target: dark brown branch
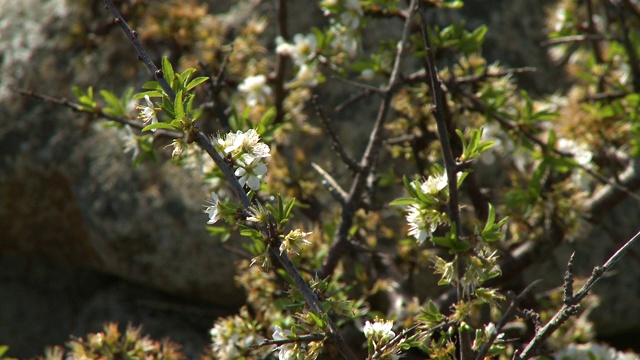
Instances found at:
x=335 y=141
x=370 y=156
x=569 y=308
x=298 y=339
x=281 y=63
x=574 y=39
x=142 y=53
x=506 y=317
x=273 y=241
x=450 y=167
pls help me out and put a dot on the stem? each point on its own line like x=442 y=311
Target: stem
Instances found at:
x=451 y=169
x=570 y=305
x=273 y=241
x=352 y=202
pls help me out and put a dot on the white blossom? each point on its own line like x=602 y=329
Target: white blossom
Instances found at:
x=351 y=14
x=344 y=40
x=287 y=351
x=213 y=209
x=130 y=141
x=368 y=74
x=148 y=114
x=581 y=153
x=293 y=240
x=301 y=50
x=379 y=332
x=256 y=89
x=434 y=184
x=306 y=76
x=249 y=168
x=418 y=226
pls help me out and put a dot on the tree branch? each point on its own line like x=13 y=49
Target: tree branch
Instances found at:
x=570 y=306
x=340 y=242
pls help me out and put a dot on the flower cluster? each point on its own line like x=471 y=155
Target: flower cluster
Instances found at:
x=378 y=335
x=303 y=52
x=286 y=351
x=233 y=336
x=424 y=218
x=483 y=336
x=346 y=18
x=379 y=331
x=247 y=153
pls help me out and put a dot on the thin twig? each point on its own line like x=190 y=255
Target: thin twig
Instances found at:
x=334 y=188
x=574 y=39
x=273 y=241
x=570 y=307
x=479 y=106
x=340 y=242
x=508 y=314
x=335 y=141
x=450 y=167
x=100 y=113
x=351 y=100
x=142 y=53
x=281 y=63
x=298 y=339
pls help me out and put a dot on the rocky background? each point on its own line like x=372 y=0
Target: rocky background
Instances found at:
x=86 y=239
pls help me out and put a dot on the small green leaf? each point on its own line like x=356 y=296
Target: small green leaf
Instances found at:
x=151 y=94
x=403 y=201
x=152 y=85
x=167 y=70
x=178 y=107
x=160 y=125
x=195 y=82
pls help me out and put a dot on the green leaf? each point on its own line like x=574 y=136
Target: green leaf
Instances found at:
x=115 y=106
x=152 y=85
x=195 y=82
x=319 y=321
x=178 y=107
x=403 y=202
x=186 y=76
x=160 y=125
x=167 y=70
x=151 y=94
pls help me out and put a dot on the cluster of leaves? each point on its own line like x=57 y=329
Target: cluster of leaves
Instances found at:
x=520 y=173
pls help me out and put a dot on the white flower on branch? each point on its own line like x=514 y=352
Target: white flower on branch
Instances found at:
x=149 y=113
x=293 y=241
x=130 y=142
x=581 y=153
x=301 y=50
x=434 y=184
x=213 y=209
x=351 y=15
x=379 y=331
x=285 y=351
x=256 y=89
x=418 y=225
x=249 y=169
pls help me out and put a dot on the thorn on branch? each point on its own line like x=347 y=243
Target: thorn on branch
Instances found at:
x=568 y=281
